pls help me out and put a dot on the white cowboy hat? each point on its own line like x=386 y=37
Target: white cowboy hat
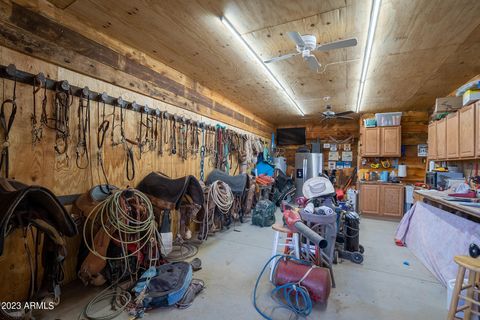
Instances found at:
x=317 y=187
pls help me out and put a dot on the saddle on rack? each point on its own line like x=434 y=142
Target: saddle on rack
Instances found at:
x=237 y=183
x=168 y=193
x=34 y=206
x=23 y=205
x=183 y=194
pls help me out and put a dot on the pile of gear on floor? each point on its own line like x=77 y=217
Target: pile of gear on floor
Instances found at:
x=321 y=230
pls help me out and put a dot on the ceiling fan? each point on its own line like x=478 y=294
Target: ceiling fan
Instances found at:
x=329 y=114
x=307 y=43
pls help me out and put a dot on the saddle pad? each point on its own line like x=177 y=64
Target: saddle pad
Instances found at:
x=172 y=190
x=237 y=183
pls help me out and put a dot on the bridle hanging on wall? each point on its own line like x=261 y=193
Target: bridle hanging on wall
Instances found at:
x=82 y=159
x=61 y=117
x=8 y=123
x=37 y=131
x=102 y=130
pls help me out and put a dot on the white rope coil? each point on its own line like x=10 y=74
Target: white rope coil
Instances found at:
x=222 y=196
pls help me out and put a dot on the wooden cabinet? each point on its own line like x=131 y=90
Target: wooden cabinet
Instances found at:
x=392 y=199
x=371 y=142
x=382 y=142
x=432 y=141
x=370 y=198
x=383 y=200
x=477 y=129
x=391 y=140
x=442 y=139
x=452 y=135
x=466 y=132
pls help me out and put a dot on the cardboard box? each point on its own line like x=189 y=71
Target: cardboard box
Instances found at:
x=448 y=104
x=470 y=96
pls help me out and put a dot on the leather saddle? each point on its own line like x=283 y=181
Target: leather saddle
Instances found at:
x=237 y=183
x=23 y=205
x=33 y=206
x=168 y=193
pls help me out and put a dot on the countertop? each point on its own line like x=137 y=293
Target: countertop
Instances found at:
x=443 y=198
x=382 y=182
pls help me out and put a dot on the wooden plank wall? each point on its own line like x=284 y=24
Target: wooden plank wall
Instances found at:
x=39 y=164
x=336 y=129
x=414 y=132
x=52 y=35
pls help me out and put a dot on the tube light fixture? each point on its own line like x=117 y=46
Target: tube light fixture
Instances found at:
x=372 y=26
x=274 y=79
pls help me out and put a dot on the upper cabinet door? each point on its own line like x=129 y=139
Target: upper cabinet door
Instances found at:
x=391 y=141
x=432 y=141
x=442 y=139
x=477 y=129
x=452 y=135
x=467 y=131
x=371 y=142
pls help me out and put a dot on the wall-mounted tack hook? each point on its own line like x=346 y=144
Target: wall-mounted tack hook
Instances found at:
x=145 y=109
x=40 y=78
x=119 y=101
x=132 y=106
x=85 y=92
x=103 y=97
x=64 y=85
x=166 y=115
x=11 y=70
x=156 y=112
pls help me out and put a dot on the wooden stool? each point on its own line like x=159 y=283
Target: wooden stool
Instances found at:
x=473 y=267
x=291 y=241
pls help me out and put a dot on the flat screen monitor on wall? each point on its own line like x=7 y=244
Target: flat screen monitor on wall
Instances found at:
x=291 y=136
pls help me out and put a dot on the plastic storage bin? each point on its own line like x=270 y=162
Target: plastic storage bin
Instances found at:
x=388 y=119
x=370 y=123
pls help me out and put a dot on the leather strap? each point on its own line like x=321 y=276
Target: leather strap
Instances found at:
x=7 y=126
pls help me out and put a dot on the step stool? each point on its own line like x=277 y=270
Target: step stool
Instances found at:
x=291 y=244
x=472 y=287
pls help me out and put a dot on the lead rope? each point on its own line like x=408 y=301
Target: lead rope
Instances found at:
x=7 y=126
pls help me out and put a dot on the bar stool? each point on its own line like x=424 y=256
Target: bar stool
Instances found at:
x=473 y=267
x=291 y=244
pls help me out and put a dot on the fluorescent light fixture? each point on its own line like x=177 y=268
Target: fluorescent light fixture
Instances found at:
x=274 y=79
x=372 y=26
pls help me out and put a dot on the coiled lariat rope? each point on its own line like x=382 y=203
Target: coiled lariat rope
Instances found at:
x=222 y=196
x=220 y=193
x=127 y=218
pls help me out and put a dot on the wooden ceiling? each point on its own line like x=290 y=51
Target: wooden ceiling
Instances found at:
x=422 y=49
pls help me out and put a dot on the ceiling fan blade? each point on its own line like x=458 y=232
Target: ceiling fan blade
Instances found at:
x=339 y=114
x=280 y=58
x=295 y=36
x=344 y=117
x=337 y=44
x=313 y=63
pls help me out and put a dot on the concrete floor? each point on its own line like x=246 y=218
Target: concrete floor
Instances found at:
x=381 y=288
